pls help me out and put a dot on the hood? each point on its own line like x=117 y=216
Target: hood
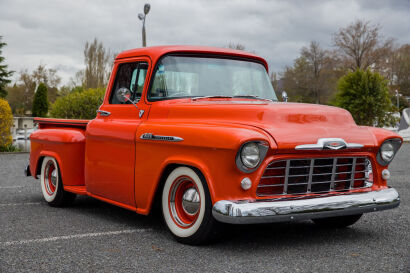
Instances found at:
x=290 y=124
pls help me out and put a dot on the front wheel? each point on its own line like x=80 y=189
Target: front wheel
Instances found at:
x=338 y=222
x=52 y=185
x=187 y=207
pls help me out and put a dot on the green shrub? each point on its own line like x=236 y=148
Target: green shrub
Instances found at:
x=366 y=96
x=78 y=105
x=40 y=102
x=6 y=121
x=10 y=148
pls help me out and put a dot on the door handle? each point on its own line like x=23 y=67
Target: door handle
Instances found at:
x=104 y=113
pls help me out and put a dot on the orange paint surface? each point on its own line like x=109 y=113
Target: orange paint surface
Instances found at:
x=106 y=158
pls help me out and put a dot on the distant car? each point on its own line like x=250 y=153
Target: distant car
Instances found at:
x=200 y=131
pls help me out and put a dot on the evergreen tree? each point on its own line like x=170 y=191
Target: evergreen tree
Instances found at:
x=4 y=73
x=40 y=102
x=366 y=96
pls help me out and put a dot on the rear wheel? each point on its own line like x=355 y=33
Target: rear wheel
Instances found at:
x=187 y=207
x=338 y=222
x=52 y=185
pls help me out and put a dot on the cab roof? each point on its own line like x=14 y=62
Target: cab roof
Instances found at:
x=155 y=52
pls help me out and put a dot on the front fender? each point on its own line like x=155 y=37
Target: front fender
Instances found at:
x=211 y=148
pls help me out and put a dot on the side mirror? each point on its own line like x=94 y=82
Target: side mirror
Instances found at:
x=123 y=94
x=284 y=96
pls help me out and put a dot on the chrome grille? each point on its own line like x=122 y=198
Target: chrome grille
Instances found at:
x=315 y=175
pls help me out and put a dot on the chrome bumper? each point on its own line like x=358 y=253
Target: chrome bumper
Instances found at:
x=269 y=211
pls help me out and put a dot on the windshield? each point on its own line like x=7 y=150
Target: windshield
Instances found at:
x=187 y=76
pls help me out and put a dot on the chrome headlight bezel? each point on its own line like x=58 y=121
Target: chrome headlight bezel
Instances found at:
x=391 y=145
x=245 y=167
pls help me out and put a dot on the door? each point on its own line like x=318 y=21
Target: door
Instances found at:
x=110 y=137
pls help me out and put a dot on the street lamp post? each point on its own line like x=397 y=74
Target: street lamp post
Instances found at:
x=142 y=18
x=397 y=97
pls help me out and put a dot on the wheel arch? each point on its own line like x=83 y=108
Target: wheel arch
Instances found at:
x=171 y=164
x=40 y=159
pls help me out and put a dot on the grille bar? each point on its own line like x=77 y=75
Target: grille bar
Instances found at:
x=315 y=175
x=332 y=180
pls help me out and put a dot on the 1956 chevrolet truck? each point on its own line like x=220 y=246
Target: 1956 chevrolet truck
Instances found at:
x=200 y=131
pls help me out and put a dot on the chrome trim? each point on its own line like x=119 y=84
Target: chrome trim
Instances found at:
x=311 y=173
x=285 y=186
x=269 y=211
x=396 y=142
x=141 y=113
x=263 y=149
x=332 y=178
x=352 y=175
x=327 y=144
x=150 y=136
x=103 y=113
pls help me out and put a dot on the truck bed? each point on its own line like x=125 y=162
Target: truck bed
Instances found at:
x=53 y=122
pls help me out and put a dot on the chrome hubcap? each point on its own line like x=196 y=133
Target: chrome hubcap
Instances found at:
x=190 y=201
x=54 y=177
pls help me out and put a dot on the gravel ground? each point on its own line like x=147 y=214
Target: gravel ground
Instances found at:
x=92 y=236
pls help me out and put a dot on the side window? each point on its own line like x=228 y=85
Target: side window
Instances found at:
x=131 y=76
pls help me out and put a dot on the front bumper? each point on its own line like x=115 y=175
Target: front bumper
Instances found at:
x=269 y=211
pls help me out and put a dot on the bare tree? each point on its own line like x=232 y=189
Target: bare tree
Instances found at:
x=316 y=59
x=96 y=59
x=361 y=44
x=236 y=46
x=47 y=76
x=399 y=69
x=313 y=76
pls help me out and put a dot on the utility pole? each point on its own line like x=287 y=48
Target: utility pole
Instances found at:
x=397 y=97
x=142 y=17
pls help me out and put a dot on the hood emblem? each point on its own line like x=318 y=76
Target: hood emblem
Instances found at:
x=329 y=144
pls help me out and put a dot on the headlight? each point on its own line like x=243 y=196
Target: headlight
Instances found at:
x=388 y=150
x=250 y=155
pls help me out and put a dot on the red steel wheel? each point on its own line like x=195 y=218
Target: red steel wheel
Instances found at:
x=184 y=202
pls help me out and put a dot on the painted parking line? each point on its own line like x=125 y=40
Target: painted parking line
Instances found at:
x=20 y=204
x=11 y=187
x=74 y=236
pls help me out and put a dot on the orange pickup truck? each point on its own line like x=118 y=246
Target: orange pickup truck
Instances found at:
x=200 y=132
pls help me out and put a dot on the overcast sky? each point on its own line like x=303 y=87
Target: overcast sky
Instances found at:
x=53 y=32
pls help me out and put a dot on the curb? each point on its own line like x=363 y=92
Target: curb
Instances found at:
x=12 y=153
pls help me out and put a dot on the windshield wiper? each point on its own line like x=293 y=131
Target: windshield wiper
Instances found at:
x=250 y=97
x=212 y=97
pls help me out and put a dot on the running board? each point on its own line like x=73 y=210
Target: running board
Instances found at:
x=81 y=190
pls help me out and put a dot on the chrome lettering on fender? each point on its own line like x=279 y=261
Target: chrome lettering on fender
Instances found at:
x=149 y=136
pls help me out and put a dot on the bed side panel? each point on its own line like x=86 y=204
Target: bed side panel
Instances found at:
x=67 y=145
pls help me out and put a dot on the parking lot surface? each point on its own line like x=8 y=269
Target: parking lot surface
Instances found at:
x=92 y=236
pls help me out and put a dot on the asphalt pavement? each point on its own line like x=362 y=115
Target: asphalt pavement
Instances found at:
x=92 y=236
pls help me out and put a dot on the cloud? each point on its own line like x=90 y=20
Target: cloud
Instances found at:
x=53 y=32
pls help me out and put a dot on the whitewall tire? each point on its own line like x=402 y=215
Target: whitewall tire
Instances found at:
x=51 y=184
x=187 y=206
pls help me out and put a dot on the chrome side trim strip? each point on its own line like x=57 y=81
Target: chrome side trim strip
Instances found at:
x=149 y=136
x=269 y=211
